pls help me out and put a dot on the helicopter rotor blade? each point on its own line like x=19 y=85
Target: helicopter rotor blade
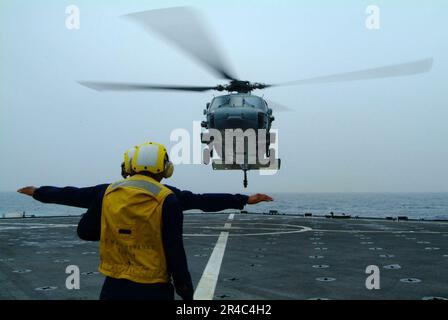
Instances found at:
x=277 y=107
x=111 y=86
x=398 y=70
x=186 y=29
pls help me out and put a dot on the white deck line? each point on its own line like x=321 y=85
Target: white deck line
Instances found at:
x=207 y=284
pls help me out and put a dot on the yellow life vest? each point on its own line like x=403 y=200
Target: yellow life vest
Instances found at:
x=131 y=244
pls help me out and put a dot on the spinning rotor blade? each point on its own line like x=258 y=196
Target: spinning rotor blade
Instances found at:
x=277 y=107
x=110 y=86
x=184 y=27
x=398 y=70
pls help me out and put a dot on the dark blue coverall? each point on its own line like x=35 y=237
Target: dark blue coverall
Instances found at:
x=89 y=228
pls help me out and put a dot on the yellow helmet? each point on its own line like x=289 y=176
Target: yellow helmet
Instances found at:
x=152 y=157
x=128 y=155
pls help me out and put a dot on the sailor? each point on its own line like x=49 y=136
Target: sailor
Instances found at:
x=127 y=247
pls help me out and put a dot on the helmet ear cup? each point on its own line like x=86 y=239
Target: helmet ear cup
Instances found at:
x=127 y=161
x=169 y=169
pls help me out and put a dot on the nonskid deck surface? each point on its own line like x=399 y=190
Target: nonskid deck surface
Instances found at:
x=245 y=256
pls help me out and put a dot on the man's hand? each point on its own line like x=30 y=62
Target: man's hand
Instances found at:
x=259 y=197
x=29 y=191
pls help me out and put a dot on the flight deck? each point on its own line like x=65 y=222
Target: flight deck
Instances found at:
x=246 y=256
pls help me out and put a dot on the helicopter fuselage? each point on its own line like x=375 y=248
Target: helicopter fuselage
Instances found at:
x=237 y=118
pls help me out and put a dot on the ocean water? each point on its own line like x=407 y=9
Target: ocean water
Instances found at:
x=413 y=205
x=379 y=205
x=13 y=202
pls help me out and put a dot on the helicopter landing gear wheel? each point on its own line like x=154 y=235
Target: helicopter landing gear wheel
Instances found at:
x=245 y=178
x=268 y=140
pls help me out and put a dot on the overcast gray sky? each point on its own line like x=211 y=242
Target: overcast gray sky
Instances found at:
x=371 y=136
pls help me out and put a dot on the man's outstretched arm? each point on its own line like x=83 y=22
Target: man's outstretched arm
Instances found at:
x=69 y=196
x=213 y=202
x=89 y=227
x=84 y=197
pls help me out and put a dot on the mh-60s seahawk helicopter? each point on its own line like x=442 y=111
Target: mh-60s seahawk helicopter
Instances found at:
x=240 y=109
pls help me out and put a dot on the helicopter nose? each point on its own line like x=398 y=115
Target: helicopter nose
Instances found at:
x=236 y=119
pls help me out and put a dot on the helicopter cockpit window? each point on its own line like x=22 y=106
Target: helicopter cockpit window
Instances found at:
x=255 y=102
x=219 y=102
x=239 y=101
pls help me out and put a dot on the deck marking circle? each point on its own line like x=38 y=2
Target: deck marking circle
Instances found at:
x=392 y=267
x=326 y=279
x=321 y=266
x=43 y=252
x=278 y=227
x=89 y=273
x=22 y=271
x=61 y=260
x=6 y=259
x=410 y=280
x=231 y=279
x=256 y=265
x=46 y=288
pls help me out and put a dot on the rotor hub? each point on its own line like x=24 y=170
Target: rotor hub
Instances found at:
x=241 y=86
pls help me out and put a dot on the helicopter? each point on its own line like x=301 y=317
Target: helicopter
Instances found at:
x=184 y=28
